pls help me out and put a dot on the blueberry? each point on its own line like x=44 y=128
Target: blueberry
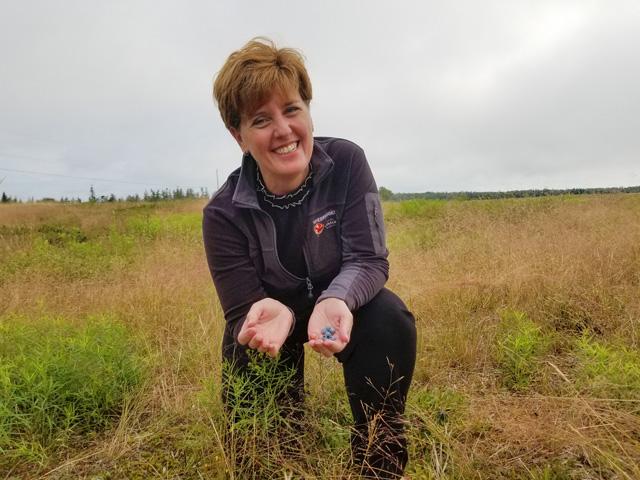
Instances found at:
x=328 y=333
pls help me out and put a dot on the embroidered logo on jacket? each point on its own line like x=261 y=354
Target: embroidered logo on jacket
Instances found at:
x=324 y=222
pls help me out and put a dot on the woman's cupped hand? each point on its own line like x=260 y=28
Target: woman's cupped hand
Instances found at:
x=266 y=326
x=330 y=313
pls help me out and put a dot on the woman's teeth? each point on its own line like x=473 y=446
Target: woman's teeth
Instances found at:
x=287 y=148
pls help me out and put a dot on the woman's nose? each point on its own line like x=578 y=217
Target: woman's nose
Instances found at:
x=282 y=126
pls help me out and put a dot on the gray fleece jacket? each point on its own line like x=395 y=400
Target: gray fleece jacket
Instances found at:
x=344 y=239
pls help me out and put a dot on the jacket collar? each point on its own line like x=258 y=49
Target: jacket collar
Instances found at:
x=245 y=194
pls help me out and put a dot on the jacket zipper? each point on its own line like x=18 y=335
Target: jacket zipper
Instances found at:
x=309 y=289
x=307 y=279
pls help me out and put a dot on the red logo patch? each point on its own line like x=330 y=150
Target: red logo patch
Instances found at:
x=318 y=228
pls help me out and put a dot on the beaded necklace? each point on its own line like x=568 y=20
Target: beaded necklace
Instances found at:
x=288 y=200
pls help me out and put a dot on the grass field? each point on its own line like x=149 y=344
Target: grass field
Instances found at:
x=528 y=366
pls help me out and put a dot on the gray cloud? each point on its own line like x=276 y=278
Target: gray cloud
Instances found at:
x=442 y=96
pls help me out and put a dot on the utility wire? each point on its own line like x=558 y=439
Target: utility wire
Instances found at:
x=94 y=179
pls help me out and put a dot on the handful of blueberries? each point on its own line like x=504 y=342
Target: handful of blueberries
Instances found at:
x=328 y=333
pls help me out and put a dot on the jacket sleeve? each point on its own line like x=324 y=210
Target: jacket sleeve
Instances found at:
x=365 y=268
x=234 y=275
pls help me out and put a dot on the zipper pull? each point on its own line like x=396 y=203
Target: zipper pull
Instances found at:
x=309 y=288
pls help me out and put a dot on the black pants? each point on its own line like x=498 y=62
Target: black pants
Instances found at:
x=378 y=366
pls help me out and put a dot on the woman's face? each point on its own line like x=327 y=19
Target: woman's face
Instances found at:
x=279 y=136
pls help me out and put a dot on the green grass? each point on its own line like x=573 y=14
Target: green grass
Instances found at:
x=485 y=403
x=608 y=370
x=412 y=209
x=69 y=254
x=443 y=405
x=143 y=227
x=520 y=343
x=434 y=416
x=262 y=431
x=59 y=380
x=176 y=225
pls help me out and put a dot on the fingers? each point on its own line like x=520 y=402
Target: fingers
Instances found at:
x=334 y=346
x=257 y=342
x=327 y=347
x=272 y=351
x=265 y=327
x=254 y=315
x=318 y=346
x=246 y=334
x=344 y=332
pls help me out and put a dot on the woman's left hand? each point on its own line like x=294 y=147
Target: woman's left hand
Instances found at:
x=334 y=313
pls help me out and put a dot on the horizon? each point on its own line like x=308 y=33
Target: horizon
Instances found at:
x=102 y=197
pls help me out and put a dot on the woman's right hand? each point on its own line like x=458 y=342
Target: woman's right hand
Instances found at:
x=266 y=326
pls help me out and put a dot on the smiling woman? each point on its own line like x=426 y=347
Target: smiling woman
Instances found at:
x=296 y=248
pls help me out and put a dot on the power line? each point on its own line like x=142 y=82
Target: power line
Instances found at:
x=27 y=157
x=94 y=179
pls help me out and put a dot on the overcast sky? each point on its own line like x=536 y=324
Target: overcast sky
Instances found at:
x=442 y=96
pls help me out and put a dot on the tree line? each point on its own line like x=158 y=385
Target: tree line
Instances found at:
x=151 y=195
x=385 y=194
x=388 y=195
x=7 y=199
x=148 y=196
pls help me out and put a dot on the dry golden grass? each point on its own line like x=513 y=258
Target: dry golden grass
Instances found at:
x=572 y=264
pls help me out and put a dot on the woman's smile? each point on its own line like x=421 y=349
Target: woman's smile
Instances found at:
x=287 y=148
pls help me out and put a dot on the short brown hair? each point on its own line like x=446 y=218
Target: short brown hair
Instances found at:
x=252 y=73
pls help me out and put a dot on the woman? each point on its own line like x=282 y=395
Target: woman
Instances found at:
x=296 y=247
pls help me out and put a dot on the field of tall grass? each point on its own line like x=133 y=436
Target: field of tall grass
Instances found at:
x=528 y=365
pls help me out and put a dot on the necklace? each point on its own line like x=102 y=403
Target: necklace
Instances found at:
x=288 y=200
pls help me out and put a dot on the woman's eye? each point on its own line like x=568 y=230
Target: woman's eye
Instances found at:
x=292 y=109
x=260 y=121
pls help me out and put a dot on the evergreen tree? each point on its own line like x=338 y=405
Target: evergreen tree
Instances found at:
x=385 y=194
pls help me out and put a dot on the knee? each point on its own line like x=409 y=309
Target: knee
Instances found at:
x=387 y=317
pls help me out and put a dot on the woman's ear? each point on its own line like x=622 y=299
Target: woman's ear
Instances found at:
x=236 y=134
